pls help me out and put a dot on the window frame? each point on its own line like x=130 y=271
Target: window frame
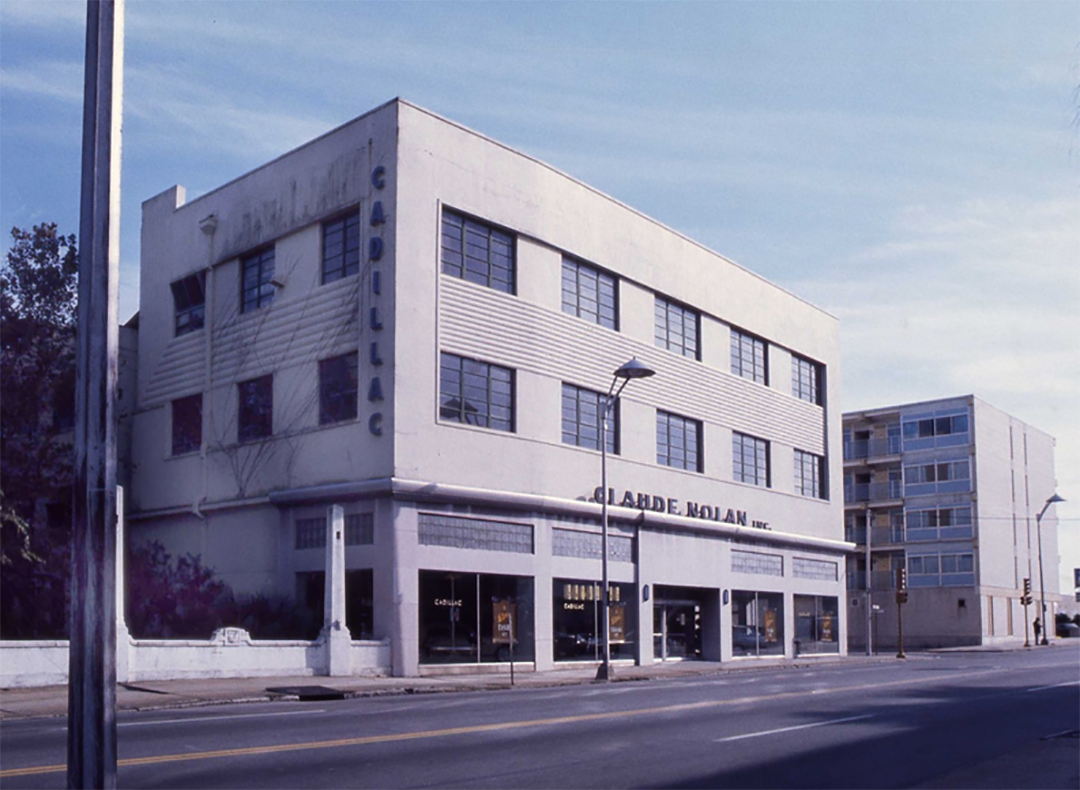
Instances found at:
x=340 y=404
x=192 y=291
x=575 y=432
x=187 y=424
x=748 y=369
x=605 y=285
x=693 y=459
x=497 y=395
x=255 y=420
x=261 y=293
x=483 y=276
x=687 y=318
x=803 y=461
x=761 y=449
x=802 y=369
x=346 y=261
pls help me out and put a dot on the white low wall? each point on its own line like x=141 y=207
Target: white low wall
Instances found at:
x=231 y=653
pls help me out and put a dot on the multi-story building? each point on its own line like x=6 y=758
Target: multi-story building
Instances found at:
x=950 y=491
x=419 y=324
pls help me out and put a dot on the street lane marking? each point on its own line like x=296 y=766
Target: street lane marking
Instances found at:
x=218 y=718
x=479 y=728
x=1055 y=686
x=791 y=729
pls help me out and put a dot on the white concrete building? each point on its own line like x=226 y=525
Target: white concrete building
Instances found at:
x=418 y=323
x=951 y=491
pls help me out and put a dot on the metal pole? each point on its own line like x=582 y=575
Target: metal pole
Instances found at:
x=900 y=629
x=869 y=588
x=604 y=671
x=1042 y=587
x=92 y=668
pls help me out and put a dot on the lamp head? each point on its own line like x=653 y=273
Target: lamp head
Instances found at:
x=634 y=370
x=1055 y=499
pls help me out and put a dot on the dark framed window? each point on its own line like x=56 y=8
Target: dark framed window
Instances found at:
x=255 y=419
x=750 y=460
x=806 y=380
x=256 y=272
x=339 y=384
x=581 y=410
x=341 y=247
x=477 y=252
x=749 y=357
x=476 y=393
x=809 y=474
x=678 y=441
x=187 y=424
x=589 y=293
x=677 y=328
x=189 y=303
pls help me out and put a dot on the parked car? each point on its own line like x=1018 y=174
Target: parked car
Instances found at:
x=1068 y=630
x=746 y=637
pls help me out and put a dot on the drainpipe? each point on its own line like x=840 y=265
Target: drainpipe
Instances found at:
x=208 y=225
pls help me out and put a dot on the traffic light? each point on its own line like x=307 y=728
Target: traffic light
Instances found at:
x=1025 y=600
x=901 y=585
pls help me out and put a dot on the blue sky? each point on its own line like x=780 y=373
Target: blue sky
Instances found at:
x=912 y=167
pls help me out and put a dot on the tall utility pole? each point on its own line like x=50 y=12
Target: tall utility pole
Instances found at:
x=92 y=674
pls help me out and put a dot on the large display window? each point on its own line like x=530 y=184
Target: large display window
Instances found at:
x=816 y=624
x=471 y=618
x=757 y=623
x=577 y=616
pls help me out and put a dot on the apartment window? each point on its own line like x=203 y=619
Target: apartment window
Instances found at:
x=678 y=441
x=189 y=303
x=750 y=459
x=477 y=252
x=581 y=409
x=256 y=272
x=806 y=380
x=809 y=474
x=949 y=523
x=256 y=413
x=936 y=426
x=941 y=570
x=341 y=247
x=187 y=424
x=748 y=357
x=589 y=293
x=476 y=393
x=338 y=388
x=677 y=328
x=937 y=473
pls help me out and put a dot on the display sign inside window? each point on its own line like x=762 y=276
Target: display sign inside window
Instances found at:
x=504 y=628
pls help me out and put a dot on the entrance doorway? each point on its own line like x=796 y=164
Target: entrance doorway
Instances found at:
x=678 y=615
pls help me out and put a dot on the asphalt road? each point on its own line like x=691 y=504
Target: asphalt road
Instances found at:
x=895 y=724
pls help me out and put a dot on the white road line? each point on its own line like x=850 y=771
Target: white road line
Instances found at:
x=792 y=729
x=218 y=718
x=1055 y=686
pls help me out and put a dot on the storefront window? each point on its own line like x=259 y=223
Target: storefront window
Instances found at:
x=359 y=602
x=816 y=624
x=578 y=620
x=469 y=618
x=757 y=623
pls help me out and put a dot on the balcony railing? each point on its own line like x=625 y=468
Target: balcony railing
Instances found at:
x=882 y=580
x=856 y=449
x=873 y=492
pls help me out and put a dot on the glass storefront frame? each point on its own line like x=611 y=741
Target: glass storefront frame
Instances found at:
x=757 y=623
x=817 y=624
x=577 y=614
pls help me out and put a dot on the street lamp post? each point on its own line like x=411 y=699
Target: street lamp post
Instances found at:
x=1042 y=587
x=631 y=370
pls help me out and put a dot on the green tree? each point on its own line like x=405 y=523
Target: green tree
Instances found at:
x=38 y=291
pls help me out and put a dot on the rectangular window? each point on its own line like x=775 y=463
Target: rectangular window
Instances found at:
x=757 y=623
x=806 y=380
x=341 y=247
x=809 y=475
x=256 y=413
x=677 y=328
x=310 y=533
x=189 y=303
x=359 y=529
x=678 y=442
x=577 y=619
x=581 y=409
x=477 y=252
x=476 y=393
x=256 y=272
x=187 y=424
x=750 y=459
x=748 y=357
x=589 y=293
x=338 y=388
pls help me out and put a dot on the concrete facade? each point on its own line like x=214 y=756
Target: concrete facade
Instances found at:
x=950 y=490
x=436 y=493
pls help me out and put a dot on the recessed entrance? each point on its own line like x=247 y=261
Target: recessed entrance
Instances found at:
x=677 y=622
